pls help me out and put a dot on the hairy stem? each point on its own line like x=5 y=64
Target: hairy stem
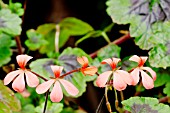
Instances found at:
x=100 y=104
x=117 y=41
x=46 y=99
x=107 y=100
x=122 y=96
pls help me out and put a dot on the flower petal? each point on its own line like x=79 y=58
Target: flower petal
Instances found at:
x=83 y=61
x=32 y=79
x=147 y=81
x=125 y=76
x=56 y=93
x=112 y=62
x=103 y=78
x=90 y=70
x=42 y=88
x=118 y=83
x=135 y=58
x=10 y=76
x=153 y=74
x=22 y=60
x=57 y=70
x=135 y=76
x=19 y=83
x=70 y=88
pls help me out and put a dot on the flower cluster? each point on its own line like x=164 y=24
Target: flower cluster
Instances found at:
x=119 y=79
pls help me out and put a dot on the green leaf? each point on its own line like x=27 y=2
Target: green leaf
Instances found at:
x=9 y=22
x=42 y=67
x=68 y=59
x=166 y=90
x=5 y=52
x=51 y=107
x=8 y=102
x=147 y=19
x=72 y=27
x=35 y=40
x=144 y=105
x=162 y=77
x=159 y=56
x=29 y=108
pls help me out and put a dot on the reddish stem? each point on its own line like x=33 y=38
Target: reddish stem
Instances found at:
x=39 y=76
x=18 y=42
x=164 y=99
x=76 y=70
x=117 y=41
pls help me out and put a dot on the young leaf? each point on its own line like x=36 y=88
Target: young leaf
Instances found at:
x=144 y=105
x=72 y=27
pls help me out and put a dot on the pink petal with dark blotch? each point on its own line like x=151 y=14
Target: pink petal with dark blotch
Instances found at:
x=118 y=83
x=42 y=88
x=19 y=83
x=10 y=76
x=70 y=88
x=153 y=74
x=22 y=60
x=102 y=79
x=135 y=76
x=32 y=79
x=127 y=78
x=147 y=81
x=57 y=70
x=56 y=93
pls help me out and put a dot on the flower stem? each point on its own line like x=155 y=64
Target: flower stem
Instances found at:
x=117 y=102
x=100 y=104
x=39 y=76
x=117 y=41
x=122 y=96
x=76 y=70
x=46 y=100
x=107 y=101
x=18 y=42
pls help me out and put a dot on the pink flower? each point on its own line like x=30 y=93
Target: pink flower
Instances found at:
x=120 y=78
x=147 y=81
x=18 y=75
x=56 y=93
x=91 y=70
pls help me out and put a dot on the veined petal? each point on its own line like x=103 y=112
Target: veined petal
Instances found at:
x=56 y=93
x=110 y=62
x=19 y=83
x=135 y=76
x=42 y=88
x=57 y=70
x=70 y=88
x=125 y=76
x=153 y=74
x=22 y=60
x=118 y=83
x=103 y=78
x=10 y=76
x=32 y=79
x=25 y=93
x=90 y=70
x=147 y=81
x=83 y=61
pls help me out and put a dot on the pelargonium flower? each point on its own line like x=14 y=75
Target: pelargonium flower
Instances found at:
x=56 y=94
x=91 y=70
x=147 y=81
x=120 y=77
x=18 y=75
